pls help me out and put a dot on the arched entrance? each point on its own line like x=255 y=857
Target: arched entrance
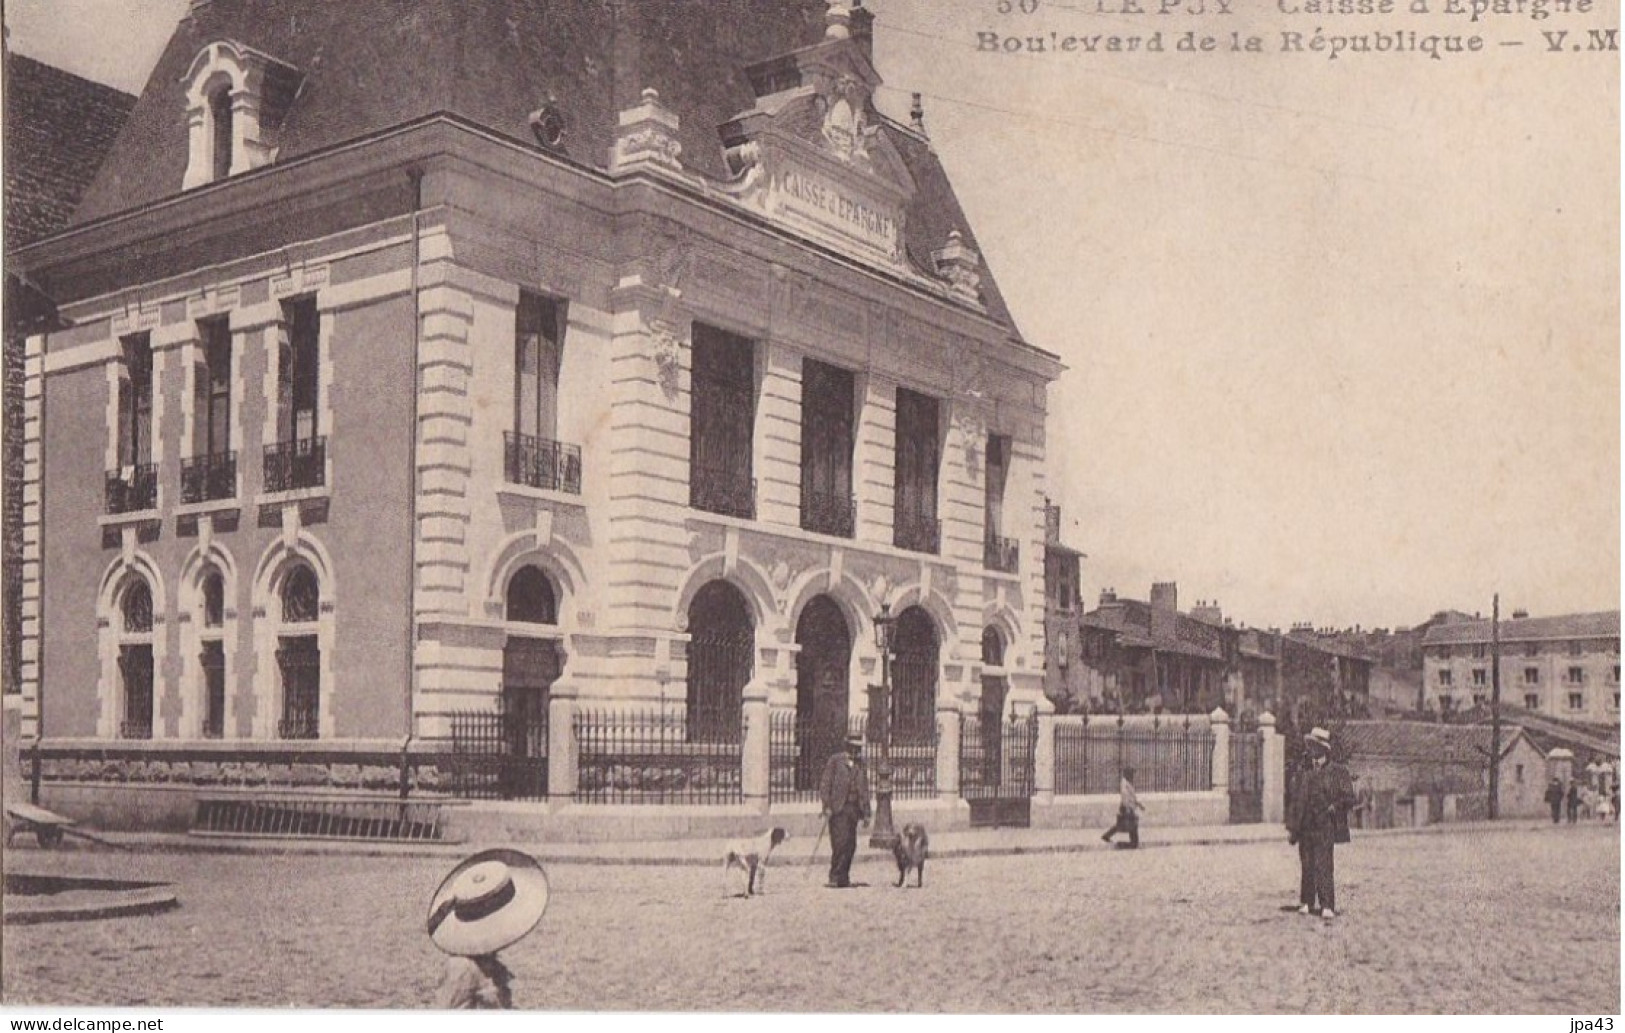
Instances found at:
x=823 y=689
x=722 y=639
x=530 y=665
x=914 y=678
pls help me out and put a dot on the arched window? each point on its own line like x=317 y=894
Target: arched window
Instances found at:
x=531 y=598
x=992 y=647
x=137 y=607
x=301 y=597
x=914 y=677
x=220 y=129
x=214 y=600
x=722 y=639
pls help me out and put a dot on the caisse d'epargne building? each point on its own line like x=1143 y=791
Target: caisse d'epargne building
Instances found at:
x=448 y=376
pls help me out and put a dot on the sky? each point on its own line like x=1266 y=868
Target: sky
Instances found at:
x=1341 y=335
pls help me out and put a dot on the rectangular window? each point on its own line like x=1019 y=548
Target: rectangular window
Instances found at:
x=1444 y=677
x=1577 y=676
x=211 y=471
x=722 y=423
x=1445 y=701
x=298 y=459
x=299 y=660
x=532 y=455
x=133 y=486
x=1478 y=650
x=1479 y=699
x=1577 y=701
x=1616 y=701
x=1480 y=676
x=1531 y=701
x=214 y=689
x=1531 y=649
x=1000 y=552
x=1531 y=676
x=135 y=669
x=1517 y=773
x=1615 y=679
x=918 y=453
x=827 y=410
x=1576 y=648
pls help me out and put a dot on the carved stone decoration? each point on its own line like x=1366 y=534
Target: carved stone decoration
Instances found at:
x=647 y=134
x=666 y=350
x=961 y=265
x=879 y=588
x=846 y=130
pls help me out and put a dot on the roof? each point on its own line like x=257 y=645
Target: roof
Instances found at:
x=59 y=127
x=1528 y=629
x=368 y=67
x=1131 y=619
x=1424 y=741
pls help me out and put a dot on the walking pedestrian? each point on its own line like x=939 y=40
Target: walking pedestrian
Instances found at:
x=488 y=902
x=844 y=792
x=1317 y=820
x=1574 y=800
x=1554 y=798
x=1128 y=808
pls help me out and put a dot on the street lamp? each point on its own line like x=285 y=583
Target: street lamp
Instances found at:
x=883 y=834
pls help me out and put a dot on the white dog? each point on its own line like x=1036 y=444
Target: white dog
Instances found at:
x=750 y=856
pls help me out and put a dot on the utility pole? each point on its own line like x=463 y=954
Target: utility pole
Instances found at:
x=1495 y=708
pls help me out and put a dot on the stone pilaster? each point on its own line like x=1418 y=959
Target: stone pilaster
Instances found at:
x=778 y=439
x=1274 y=773
x=875 y=463
x=948 y=732
x=1221 y=750
x=1044 y=758
x=33 y=471
x=445 y=415
x=757 y=744
x=562 y=750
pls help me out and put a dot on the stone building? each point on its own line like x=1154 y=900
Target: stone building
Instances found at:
x=1563 y=667
x=1146 y=656
x=1063 y=606
x=1430 y=772
x=439 y=358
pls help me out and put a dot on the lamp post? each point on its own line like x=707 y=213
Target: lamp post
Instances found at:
x=883 y=834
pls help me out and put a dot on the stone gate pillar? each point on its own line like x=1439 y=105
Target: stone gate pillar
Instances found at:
x=947 y=753
x=1273 y=777
x=1044 y=758
x=757 y=742
x=562 y=753
x=1221 y=750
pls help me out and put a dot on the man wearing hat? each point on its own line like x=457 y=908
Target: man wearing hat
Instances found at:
x=844 y=790
x=1317 y=819
x=488 y=902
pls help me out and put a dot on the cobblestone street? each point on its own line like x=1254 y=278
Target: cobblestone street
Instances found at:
x=1516 y=920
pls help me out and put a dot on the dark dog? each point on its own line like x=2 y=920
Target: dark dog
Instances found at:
x=911 y=850
x=750 y=856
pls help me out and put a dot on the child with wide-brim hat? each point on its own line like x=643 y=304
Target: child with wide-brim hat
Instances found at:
x=488 y=902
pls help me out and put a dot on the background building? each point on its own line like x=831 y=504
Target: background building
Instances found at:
x=1563 y=667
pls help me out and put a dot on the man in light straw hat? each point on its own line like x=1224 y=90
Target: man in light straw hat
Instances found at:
x=1318 y=818
x=489 y=901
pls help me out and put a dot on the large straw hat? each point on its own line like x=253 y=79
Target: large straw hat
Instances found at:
x=1319 y=737
x=487 y=902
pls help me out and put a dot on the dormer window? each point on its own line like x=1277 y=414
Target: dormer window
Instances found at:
x=236 y=98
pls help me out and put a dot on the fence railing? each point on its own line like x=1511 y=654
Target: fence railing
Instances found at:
x=210 y=477
x=996 y=758
x=498 y=756
x=541 y=463
x=132 y=489
x=649 y=757
x=300 y=463
x=1168 y=757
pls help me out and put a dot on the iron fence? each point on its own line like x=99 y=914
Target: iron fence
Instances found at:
x=913 y=757
x=541 y=463
x=649 y=757
x=210 y=477
x=133 y=491
x=798 y=750
x=996 y=758
x=299 y=463
x=497 y=755
x=1167 y=757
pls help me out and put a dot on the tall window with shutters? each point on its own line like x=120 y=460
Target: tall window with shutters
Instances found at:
x=532 y=453
x=298 y=458
x=915 y=524
x=133 y=485
x=827 y=406
x=211 y=471
x=1000 y=552
x=722 y=422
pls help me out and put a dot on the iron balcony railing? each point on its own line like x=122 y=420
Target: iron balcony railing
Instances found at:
x=137 y=729
x=132 y=489
x=541 y=463
x=728 y=490
x=1001 y=554
x=298 y=722
x=917 y=532
x=301 y=463
x=828 y=512
x=210 y=477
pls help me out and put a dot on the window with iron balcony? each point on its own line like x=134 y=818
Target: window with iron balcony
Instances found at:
x=133 y=486
x=722 y=423
x=532 y=455
x=998 y=552
x=298 y=457
x=827 y=409
x=211 y=472
x=915 y=525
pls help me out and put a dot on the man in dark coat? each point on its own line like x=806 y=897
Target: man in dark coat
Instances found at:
x=1554 y=799
x=1317 y=819
x=844 y=790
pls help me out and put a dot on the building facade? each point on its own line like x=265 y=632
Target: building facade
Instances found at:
x=542 y=372
x=1563 y=667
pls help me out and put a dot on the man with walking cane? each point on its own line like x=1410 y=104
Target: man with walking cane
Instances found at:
x=844 y=791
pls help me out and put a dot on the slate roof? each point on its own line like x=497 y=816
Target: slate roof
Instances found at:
x=1423 y=741
x=1131 y=619
x=371 y=66
x=1528 y=629
x=59 y=127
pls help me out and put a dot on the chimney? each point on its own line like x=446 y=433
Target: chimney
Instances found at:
x=1108 y=596
x=916 y=115
x=1208 y=610
x=862 y=26
x=1164 y=610
x=1052 y=523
